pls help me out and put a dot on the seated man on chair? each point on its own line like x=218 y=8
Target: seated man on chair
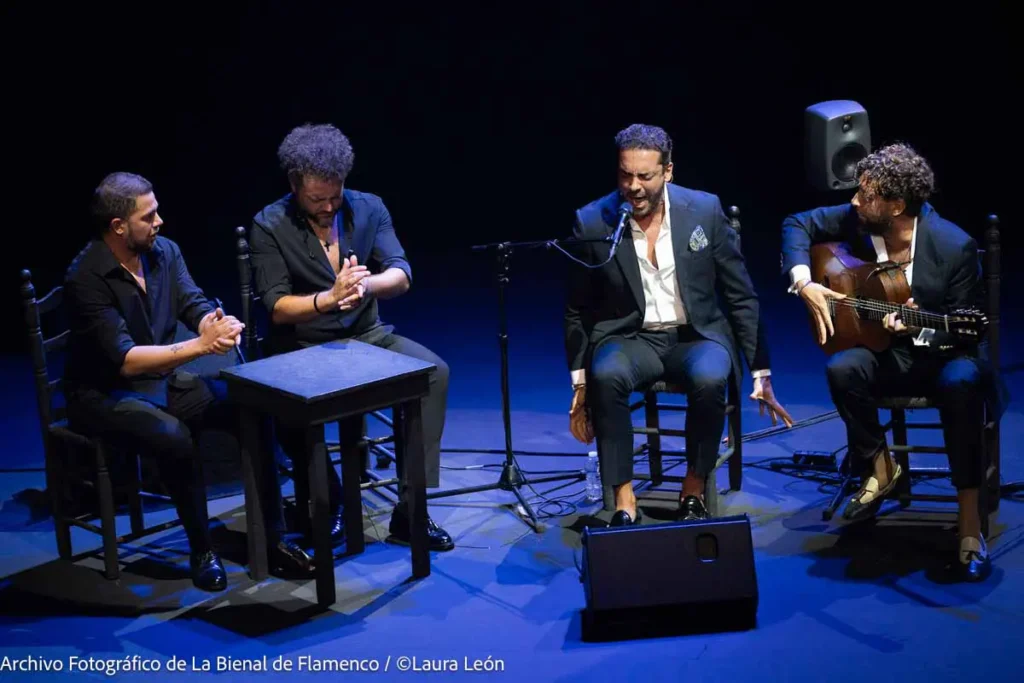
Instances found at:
x=307 y=248
x=890 y=219
x=125 y=293
x=651 y=312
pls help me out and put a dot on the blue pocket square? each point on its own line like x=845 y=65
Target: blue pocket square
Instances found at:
x=698 y=240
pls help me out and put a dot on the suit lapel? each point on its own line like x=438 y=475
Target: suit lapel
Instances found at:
x=682 y=227
x=924 y=261
x=625 y=255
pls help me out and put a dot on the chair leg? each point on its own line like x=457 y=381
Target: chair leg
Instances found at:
x=899 y=438
x=55 y=486
x=300 y=480
x=105 y=493
x=736 y=443
x=135 y=500
x=652 y=420
x=984 y=492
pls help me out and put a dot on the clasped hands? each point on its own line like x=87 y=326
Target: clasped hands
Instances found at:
x=218 y=332
x=349 y=287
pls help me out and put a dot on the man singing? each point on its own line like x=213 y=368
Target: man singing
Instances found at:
x=652 y=312
x=315 y=293
x=125 y=293
x=890 y=219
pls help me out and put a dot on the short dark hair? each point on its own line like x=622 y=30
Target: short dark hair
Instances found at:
x=898 y=172
x=115 y=197
x=641 y=136
x=321 y=151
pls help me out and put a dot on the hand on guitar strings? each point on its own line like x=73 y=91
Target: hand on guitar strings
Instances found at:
x=816 y=297
x=765 y=395
x=895 y=325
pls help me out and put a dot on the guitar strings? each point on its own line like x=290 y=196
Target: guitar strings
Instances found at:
x=882 y=307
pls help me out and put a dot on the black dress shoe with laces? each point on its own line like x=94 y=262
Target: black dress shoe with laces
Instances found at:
x=622 y=518
x=439 y=539
x=286 y=559
x=207 y=572
x=692 y=507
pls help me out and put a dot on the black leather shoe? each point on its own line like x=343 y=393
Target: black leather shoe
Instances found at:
x=622 y=518
x=692 y=507
x=867 y=501
x=207 y=572
x=338 y=525
x=974 y=565
x=289 y=560
x=439 y=539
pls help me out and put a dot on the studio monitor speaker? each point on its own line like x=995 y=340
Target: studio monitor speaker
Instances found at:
x=677 y=577
x=836 y=137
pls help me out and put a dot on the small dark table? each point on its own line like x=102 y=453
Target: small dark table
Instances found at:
x=308 y=388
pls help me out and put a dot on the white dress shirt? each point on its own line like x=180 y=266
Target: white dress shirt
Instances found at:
x=663 y=302
x=801 y=272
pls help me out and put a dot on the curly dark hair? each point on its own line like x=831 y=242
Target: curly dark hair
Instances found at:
x=641 y=136
x=896 y=171
x=115 y=197
x=321 y=151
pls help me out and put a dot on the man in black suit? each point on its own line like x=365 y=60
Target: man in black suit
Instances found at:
x=650 y=311
x=890 y=219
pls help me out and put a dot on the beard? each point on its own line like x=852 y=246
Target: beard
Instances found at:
x=319 y=220
x=875 y=226
x=141 y=246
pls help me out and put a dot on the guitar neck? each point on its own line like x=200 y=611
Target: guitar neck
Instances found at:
x=874 y=309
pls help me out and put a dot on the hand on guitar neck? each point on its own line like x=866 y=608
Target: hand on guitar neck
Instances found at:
x=817 y=299
x=893 y=323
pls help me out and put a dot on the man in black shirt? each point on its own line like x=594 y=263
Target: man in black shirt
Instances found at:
x=307 y=248
x=125 y=293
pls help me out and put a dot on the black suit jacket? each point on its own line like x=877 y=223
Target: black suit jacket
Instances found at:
x=947 y=270
x=609 y=300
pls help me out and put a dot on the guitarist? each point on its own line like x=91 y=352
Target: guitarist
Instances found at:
x=890 y=219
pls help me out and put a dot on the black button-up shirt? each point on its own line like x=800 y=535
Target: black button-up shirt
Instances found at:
x=109 y=313
x=287 y=259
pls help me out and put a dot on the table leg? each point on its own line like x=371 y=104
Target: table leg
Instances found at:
x=323 y=549
x=253 y=447
x=352 y=469
x=415 y=485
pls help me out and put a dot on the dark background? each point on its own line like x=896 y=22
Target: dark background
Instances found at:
x=481 y=123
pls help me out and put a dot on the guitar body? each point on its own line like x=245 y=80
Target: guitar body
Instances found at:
x=833 y=265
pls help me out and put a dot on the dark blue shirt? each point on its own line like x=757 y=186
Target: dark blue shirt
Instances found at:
x=287 y=259
x=109 y=313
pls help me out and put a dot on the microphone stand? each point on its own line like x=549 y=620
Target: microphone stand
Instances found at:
x=512 y=478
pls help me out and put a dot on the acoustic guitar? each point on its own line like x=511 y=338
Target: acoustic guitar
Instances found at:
x=873 y=290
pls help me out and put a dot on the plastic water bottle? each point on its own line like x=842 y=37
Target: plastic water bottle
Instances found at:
x=593 y=472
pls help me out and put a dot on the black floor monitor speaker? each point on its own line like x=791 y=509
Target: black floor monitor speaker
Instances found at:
x=665 y=579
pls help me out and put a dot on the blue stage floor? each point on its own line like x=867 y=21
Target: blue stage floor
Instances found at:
x=865 y=604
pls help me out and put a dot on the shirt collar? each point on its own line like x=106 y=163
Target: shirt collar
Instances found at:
x=107 y=263
x=883 y=252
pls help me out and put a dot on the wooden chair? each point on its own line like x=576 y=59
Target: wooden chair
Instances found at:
x=254 y=348
x=989 y=493
x=652 y=429
x=61 y=443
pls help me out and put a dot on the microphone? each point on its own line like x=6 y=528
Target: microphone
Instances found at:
x=625 y=212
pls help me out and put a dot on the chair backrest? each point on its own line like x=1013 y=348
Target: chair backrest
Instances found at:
x=249 y=297
x=992 y=273
x=40 y=347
